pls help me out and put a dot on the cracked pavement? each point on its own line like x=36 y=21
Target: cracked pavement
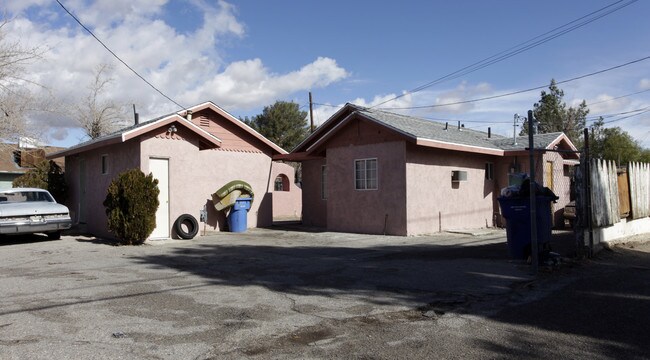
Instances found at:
x=261 y=294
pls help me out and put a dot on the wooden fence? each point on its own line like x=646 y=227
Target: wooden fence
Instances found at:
x=639 y=178
x=618 y=194
x=604 y=193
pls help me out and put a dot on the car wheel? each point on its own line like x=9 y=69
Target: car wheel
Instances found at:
x=186 y=226
x=54 y=235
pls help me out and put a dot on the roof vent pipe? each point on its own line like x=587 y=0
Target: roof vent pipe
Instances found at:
x=136 y=116
x=189 y=115
x=489 y=132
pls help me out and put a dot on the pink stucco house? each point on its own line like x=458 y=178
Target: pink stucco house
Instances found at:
x=192 y=153
x=372 y=171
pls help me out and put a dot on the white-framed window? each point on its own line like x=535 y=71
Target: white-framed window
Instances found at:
x=323 y=182
x=365 y=174
x=489 y=171
x=105 y=164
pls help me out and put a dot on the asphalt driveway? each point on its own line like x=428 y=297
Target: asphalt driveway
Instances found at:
x=265 y=293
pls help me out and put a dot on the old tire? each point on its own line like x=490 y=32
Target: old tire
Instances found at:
x=186 y=226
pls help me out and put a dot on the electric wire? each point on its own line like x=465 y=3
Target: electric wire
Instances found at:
x=118 y=58
x=619 y=97
x=519 y=91
x=605 y=116
x=627 y=117
x=517 y=49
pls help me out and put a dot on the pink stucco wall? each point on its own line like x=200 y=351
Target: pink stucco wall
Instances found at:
x=287 y=204
x=416 y=194
x=93 y=183
x=561 y=187
x=314 y=208
x=435 y=202
x=193 y=176
x=367 y=211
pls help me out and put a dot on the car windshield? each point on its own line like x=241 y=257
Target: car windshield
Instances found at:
x=25 y=196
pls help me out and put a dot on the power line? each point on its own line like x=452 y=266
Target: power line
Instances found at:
x=330 y=105
x=592 y=118
x=620 y=97
x=519 y=91
x=629 y=116
x=118 y=58
x=467 y=121
x=596 y=117
x=519 y=48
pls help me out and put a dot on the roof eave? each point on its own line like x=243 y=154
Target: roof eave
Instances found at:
x=94 y=145
x=322 y=127
x=458 y=147
x=295 y=156
x=214 y=141
x=329 y=134
x=214 y=107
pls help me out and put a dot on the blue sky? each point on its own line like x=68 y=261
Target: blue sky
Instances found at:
x=244 y=55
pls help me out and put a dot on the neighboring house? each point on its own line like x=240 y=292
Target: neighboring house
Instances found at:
x=17 y=159
x=192 y=154
x=371 y=171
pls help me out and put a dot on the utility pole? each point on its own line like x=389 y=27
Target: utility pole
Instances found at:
x=533 y=202
x=311 y=114
x=514 y=129
x=587 y=177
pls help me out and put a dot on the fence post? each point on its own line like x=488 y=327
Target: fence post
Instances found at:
x=588 y=194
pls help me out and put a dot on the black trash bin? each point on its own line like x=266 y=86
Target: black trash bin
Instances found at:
x=516 y=211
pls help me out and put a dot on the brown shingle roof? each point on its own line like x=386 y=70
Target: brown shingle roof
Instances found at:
x=8 y=163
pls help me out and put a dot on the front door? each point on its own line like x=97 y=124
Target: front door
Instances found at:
x=160 y=170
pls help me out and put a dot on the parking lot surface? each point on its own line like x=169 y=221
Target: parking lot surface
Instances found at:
x=261 y=294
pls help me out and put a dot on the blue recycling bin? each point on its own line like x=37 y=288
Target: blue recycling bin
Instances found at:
x=238 y=214
x=516 y=211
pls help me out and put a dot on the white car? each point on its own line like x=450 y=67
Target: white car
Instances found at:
x=31 y=210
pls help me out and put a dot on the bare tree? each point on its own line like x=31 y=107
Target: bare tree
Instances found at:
x=16 y=100
x=98 y=116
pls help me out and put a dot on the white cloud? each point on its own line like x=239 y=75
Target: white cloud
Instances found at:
x=644 y=84
x=246 y=84
x=387 y=101
x=59 y=134
x=605 y=103
x=14 y=7
x=461 y=93
x=187 y=66
x=322 y=113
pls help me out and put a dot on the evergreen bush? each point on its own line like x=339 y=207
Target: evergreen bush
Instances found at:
x=46 y=175
x=131 y=204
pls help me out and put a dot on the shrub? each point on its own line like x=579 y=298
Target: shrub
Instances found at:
x=131 y=204
x=46 y=175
